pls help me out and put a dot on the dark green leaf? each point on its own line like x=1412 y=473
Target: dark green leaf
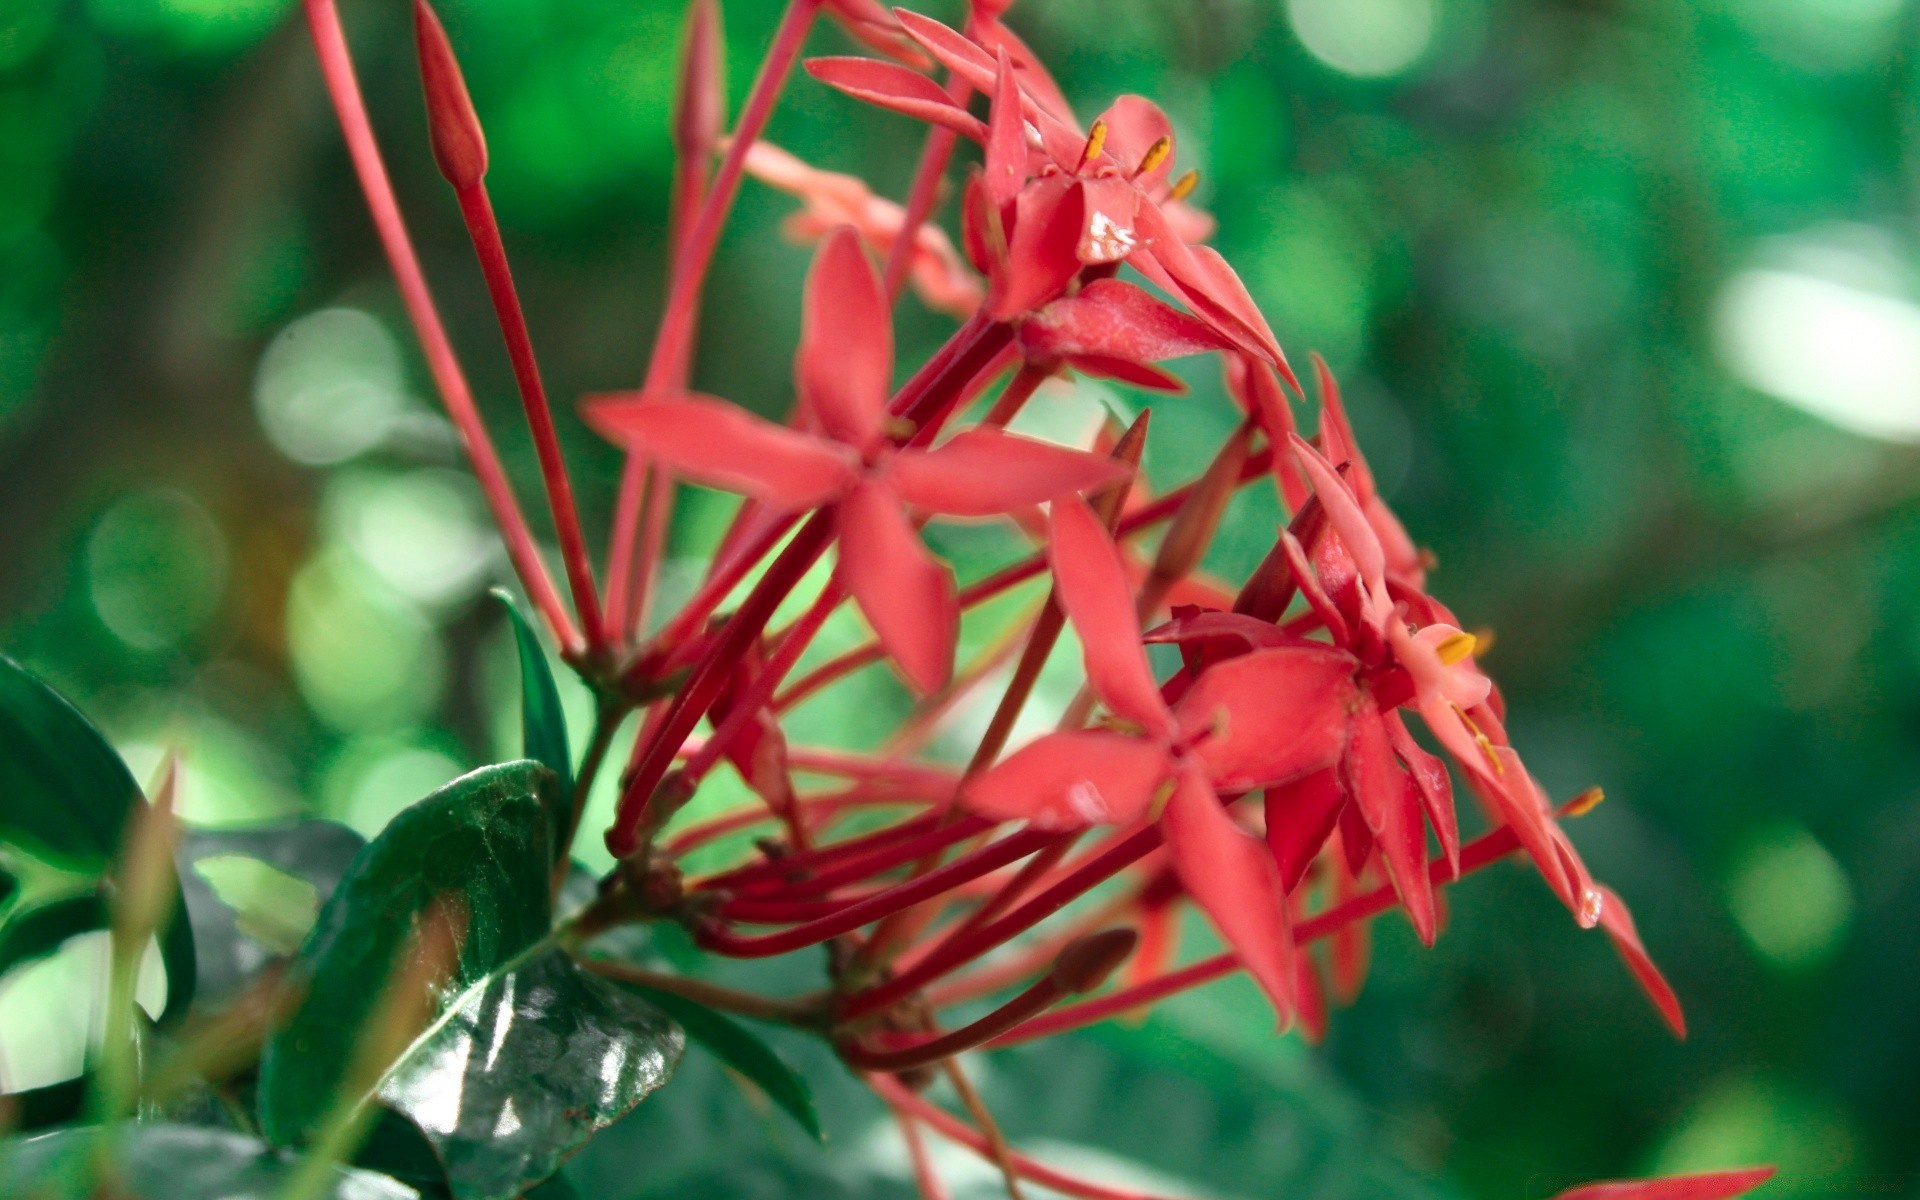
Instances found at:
x=172 y=1162
x=318 y=852
x=63 y=790
x=479 y=844
x=543 y=725
x=36 y=932
x=742 y=1049
x=524 y=1067
x=65 y=794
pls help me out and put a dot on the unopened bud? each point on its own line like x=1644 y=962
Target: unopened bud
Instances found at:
x=458 y=145
x=1085 y=964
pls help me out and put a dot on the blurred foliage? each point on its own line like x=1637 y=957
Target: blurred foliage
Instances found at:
x=1623 y=293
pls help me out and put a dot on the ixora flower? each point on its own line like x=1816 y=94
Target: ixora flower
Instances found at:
x=856 y=463
x=1276 y=778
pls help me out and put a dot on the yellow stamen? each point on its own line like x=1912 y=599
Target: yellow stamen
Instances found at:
x=1156 y=154
x=1584 y=803
x=1483 y=741
x=1183 y=186
x=1455 y=648
x=1096 y=142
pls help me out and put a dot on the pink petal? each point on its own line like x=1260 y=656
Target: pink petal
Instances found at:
x=1436 y=787
x=1093 y=590
x=1308 y=581
x=1039 y=86
x=1231 y=878
x=1273 y=714
x=1071 y=780
x=844 y=366
x=905 y=594
x=1134 y=124
x=1390 y=803
x=1253 y=384
x=1043 y=253
x=1140 y=375
x=1201 y=278
x=950 y=48
x=1108 y=204
x=1113 y=319
x=1718 y=1185
x=1618 y=922
x=898 y=89
x=1006 y=157
x=983 y=471
x=718 y=444
x=1343 y=511
x=1300 y=818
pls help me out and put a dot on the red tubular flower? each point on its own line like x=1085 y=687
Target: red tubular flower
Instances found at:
x=1232 y=730
x=843 y=373
x=1718 y=1185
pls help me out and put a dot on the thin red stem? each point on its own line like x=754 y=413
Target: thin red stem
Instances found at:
x=971 y=866
x=477 y=209
x=336 y=67
x=673 y=343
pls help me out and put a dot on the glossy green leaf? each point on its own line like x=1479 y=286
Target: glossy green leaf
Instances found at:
x=525 y=1066
x=743 y=1050
x=481 y=846
x=172 y=1162
x=35 y=932
x=63 y=790
x=66 y=795
x=228 y=953
x=543 y=724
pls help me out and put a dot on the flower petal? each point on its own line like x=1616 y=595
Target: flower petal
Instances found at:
x=904 y=592
x=1390 y=803
x=1092 y=585
x=1043 y=253
x=1273 y=714
x=983 y=471
x=1716 y=1185
x=1204 y=281
x=1231 y=878
x=1113 y=319
x=1108 y=204
x=1140 y=375
x=1006 y=157
x=844 y=366
x=1300 y=818
x=894 y=87
x=1343 y=511
x=1618 y=922
x=1436 y=787
x=1072 y=779
x=724 y=446
x=1134 y=124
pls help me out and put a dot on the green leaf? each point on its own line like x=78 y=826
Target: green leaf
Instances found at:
x=229 y=954
x=481 y=844
x=741 y=1049
x=63 y=790
x=65 y=795
x=36 y=932
x=171 y=1162
x=524 y=1067
x=543 y=724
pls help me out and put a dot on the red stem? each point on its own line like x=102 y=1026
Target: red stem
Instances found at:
x=955 y=952
x=336 y=66
x=673 y=343
x=971 y=866
x=477 y=209
x=1479 y=853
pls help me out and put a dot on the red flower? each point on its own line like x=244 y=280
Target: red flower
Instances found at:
x=1232 y=730
x=939 y=275
x=843 y=373
x=1053 y=200
x=1719 y=1185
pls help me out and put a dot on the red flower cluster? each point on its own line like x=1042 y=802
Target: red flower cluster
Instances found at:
x=1271 y=778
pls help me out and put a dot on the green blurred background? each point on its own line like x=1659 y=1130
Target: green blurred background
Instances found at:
x=1624 y=296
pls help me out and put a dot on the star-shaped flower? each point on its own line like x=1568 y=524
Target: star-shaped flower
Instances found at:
x=843 y=375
